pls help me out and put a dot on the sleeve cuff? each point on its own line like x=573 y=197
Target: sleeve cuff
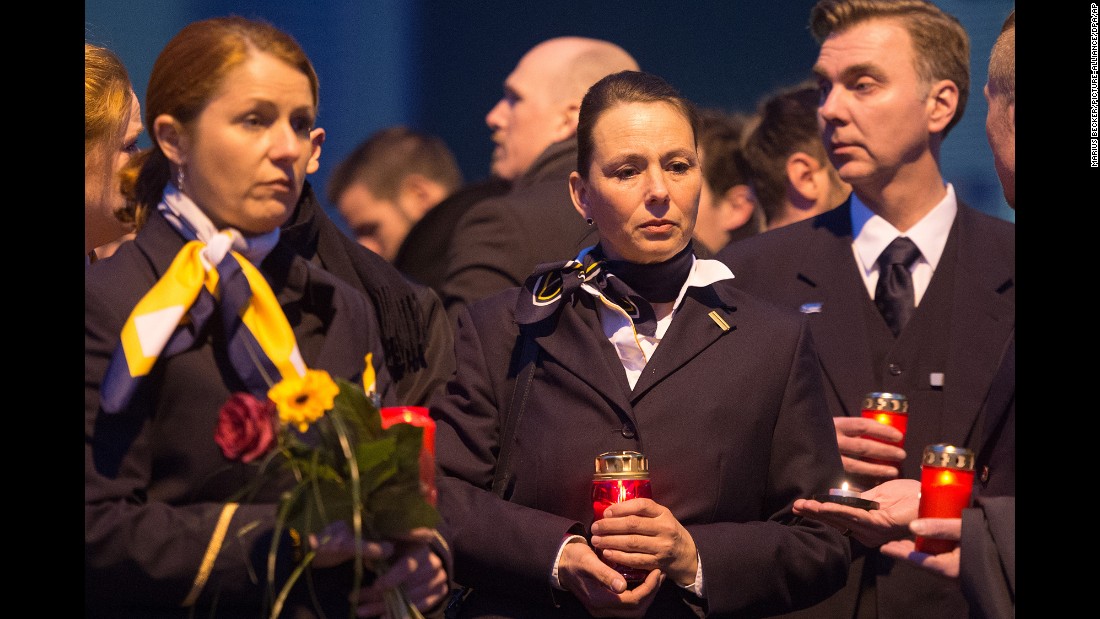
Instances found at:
x=569 y=539
x=697 y=586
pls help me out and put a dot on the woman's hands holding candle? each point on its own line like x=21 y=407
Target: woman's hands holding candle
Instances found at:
x=600 y=588
x=898 y=501
x=945 y=564
x=855 y=447
x=642 y=533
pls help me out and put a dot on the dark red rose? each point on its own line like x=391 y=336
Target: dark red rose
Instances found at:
x=246 y=427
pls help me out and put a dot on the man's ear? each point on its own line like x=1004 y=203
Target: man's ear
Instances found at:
x=569 y=118
x=419 y=194
x=171 y=138
x=736 y=207
x=316 y=138
x=802 y=175
x=943 y=102
x=578 y=191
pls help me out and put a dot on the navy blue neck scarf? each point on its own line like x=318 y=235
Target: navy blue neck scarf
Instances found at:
x=631 y=286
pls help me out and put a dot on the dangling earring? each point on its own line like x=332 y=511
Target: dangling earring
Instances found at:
x=588 y=220
x=179 y=177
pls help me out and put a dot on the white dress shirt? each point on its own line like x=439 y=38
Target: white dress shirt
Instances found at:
x=871 y=234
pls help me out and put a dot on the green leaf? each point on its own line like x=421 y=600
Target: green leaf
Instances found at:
x=317 y=501
x=399 y=508
x=377 y=465
x=356 y=409
x=409 y=439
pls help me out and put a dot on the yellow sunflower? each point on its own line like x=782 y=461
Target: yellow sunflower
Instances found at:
x=302 y=400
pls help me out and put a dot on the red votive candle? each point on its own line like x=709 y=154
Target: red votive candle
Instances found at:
x=417 y=416
x=946 y=482
x=891 y=409
x=620 y=476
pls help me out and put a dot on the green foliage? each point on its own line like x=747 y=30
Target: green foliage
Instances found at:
x=388 y=470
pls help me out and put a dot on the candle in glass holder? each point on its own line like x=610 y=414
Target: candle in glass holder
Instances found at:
x=891 y=409
x=620 y=475
x=417 y=416
x=946 y=481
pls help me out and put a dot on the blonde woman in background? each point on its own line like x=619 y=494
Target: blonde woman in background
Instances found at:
x=112 y=124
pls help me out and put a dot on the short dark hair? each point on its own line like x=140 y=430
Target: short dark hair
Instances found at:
x=787 y=125
x=389 y=155
x=625 y=87
x=720 y=137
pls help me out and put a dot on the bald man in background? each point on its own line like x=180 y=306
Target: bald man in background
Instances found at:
x=500 y=241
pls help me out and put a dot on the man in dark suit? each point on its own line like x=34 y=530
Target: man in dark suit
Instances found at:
x=500 y=241
x=423 y=254
x=894 y=79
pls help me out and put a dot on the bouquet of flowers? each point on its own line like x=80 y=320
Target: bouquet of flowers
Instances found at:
x=349 y=465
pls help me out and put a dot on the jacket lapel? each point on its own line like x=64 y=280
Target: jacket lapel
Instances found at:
x=838 y=329
x=693 y=329
x=592 y=359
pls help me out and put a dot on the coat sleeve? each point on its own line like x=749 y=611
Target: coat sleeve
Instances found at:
x=498 y=545
x=987 y=568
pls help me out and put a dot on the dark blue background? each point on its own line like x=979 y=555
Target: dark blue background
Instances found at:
x=438 y=65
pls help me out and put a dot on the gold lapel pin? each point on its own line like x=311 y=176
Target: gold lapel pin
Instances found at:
x=718 y=320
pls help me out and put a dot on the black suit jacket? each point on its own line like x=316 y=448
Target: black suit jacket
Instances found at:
x=987 y=568
x=156 y=482
x=422 y=256
x=733 y=422
x=987 y=571
x=500 y=241
x=960 y=329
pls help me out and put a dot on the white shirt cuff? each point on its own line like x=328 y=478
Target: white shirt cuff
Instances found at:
x=697 y=586
x=554 y=573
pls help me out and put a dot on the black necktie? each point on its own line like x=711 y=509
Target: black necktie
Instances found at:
x=894 y=292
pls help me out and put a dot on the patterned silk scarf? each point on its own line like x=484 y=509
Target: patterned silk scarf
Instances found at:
x=629 y=285
x=210 y=276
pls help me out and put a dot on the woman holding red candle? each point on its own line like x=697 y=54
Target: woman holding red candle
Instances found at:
x=636 y=346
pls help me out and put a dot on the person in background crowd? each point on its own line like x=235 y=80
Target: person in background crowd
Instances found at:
x=638 y=345
x=790 y=174
x=906 y=289
x=389 y=182
x=231 y=105
x=112 y=124
x=727 y=207
x=498 y=242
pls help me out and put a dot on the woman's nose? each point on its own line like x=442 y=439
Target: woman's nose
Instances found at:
x=657 y=188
